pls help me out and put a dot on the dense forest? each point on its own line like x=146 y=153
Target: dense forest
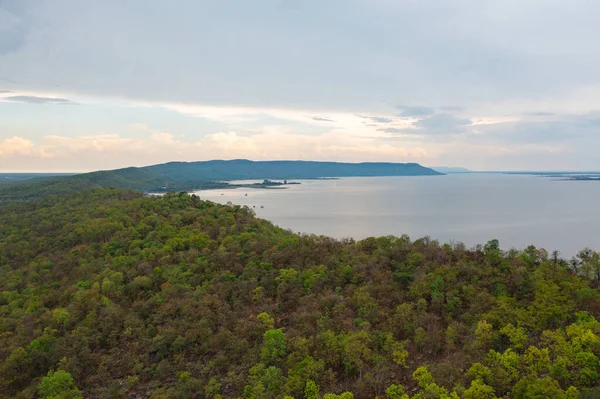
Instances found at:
x=139 y=179
x=12 y=178
x=106 y=293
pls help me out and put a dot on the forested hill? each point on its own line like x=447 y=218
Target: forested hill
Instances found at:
x=241 y=169
x=178 y=176
x=108 y=294
x=130 y=178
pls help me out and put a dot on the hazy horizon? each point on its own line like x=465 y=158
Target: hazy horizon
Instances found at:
x=483 y=85
x=45 y=171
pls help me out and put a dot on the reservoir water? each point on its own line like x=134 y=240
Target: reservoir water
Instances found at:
x=518 y=210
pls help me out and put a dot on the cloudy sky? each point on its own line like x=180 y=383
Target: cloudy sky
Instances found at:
x=484 y=84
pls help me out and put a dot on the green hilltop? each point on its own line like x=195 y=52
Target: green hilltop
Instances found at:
x=106 y=293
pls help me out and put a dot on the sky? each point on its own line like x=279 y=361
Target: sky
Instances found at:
x=481 y=84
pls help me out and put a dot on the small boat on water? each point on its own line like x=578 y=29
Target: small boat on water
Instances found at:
x=262 y=206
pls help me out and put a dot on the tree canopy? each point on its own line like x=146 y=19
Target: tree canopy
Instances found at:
x=106 y=293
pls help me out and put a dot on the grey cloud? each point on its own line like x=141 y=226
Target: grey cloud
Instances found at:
x=392 y=130
x=591 y=120
x=381 y=119
x=319 y=119
x=436 y=125
x=397 y=130
x=39 y=100
x=15 y=24
x=576 y=132
x=443 y=123
x=5 y=91
x=439 y=124
x=415 y=110
x=377 y=119
x=472 y=52
x=452 y=108
x=525 y=132
x=540 y=113
x=567 y=130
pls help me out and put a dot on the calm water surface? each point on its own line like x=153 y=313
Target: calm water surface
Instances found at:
x=471 y=208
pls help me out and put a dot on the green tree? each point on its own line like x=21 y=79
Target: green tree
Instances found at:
x=516 y=335
x=266 y=319
x=311 y=391
x=590 y=265
x=484 y=334
x=213 y=388
x=61 y=317
x=537 y=362
x=274 y=346
x=423 y=377
x=478 y=371
x=537 y=388
x=429 y=389
x=396 y=391
x=343 y=395
x=16 y=367
x=58 y=385
x=478 y=390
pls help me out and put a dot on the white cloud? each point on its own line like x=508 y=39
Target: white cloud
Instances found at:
x=18 y=146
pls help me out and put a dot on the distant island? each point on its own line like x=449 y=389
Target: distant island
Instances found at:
x=188 y=176
x=272 y=183
x=264 y=184
x=549 y=173
x=590 y=177
x=565 y=176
